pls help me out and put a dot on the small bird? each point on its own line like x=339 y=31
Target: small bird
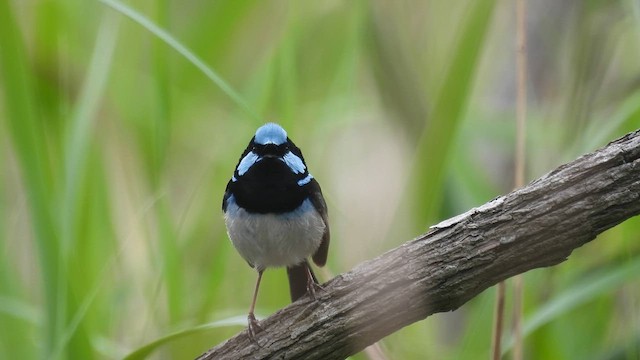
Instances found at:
x=275 y=213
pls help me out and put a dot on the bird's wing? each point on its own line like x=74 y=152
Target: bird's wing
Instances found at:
x=320 y=256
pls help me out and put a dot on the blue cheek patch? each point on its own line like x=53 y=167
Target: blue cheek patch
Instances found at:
x=270 y=133
x=294 y=162
x=246 y=162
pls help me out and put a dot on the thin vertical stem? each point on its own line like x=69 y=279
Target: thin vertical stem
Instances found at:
x=498 y=320
x=521 y=117
x=521 y=106
x=519 y=175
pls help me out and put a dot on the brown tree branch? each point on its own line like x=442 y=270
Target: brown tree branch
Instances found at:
x=536 y=226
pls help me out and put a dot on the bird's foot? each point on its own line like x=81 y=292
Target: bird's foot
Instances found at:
x=313 y=288
x=254 y=328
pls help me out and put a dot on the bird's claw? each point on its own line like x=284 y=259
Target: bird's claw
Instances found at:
x=312 y=288
x=254 y=328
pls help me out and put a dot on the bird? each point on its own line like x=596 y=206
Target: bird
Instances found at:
x=275 y=213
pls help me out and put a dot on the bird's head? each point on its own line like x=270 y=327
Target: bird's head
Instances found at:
x=271 y=142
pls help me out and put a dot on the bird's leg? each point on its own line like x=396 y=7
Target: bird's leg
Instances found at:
x=253 y=323
x=312 y=285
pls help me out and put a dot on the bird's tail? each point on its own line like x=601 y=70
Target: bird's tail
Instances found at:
x=298 y=279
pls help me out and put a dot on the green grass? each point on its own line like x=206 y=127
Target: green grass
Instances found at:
x=28 y=140
x=121 y=122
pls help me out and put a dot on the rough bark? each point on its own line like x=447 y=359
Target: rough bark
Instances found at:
x=535 y=226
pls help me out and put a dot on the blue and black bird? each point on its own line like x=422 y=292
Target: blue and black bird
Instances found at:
x=275 y=212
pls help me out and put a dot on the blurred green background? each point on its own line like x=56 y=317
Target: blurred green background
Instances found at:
x=115 y=150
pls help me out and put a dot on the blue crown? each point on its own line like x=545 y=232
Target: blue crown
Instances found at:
x=271 y=133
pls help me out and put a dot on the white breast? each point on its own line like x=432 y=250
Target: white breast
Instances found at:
x=273 y=240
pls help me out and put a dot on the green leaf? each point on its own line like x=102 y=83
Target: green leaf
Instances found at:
x=582 y=292
x=433 y=149
x=144 y=351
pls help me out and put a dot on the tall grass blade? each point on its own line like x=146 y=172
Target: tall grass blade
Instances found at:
x=28 y=139
x=161 y=72
x=83 y=121
x=434 y=145
x=184 y=51
x=74 y=336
